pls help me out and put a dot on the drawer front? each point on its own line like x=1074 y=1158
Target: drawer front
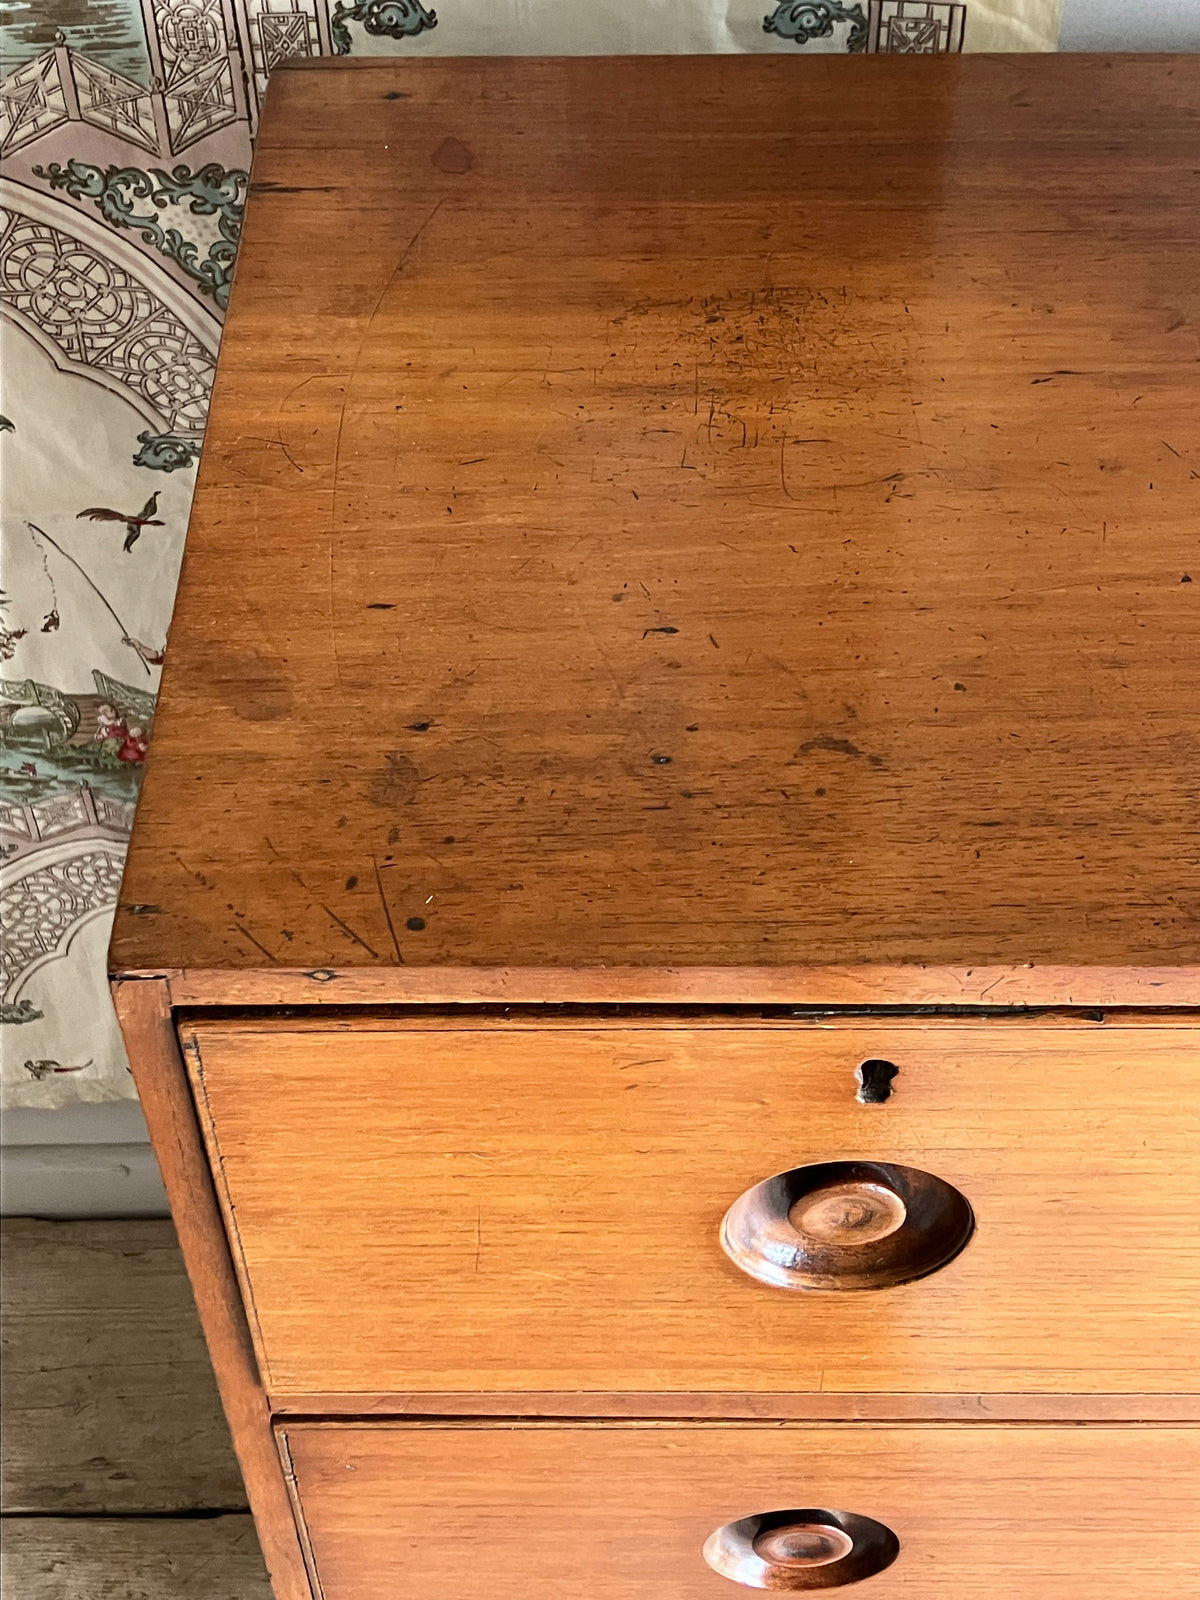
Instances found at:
x=618 y=1512
x=539 y=1208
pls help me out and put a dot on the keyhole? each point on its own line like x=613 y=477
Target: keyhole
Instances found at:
x=875 y=1081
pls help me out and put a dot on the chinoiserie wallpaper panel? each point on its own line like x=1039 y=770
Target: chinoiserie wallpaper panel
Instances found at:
x=125 y=133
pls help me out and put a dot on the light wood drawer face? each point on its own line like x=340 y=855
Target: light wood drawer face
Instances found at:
x=538 y=1208
x=617 y=1512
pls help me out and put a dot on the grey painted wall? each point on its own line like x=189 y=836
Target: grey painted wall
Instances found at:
x=83 y=1161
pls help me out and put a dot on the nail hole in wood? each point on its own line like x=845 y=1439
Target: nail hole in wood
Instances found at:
x=874 y=1079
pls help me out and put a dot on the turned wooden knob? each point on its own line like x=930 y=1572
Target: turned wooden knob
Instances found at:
x=797 y=1546
x=801 y=1549
x=846 y=1225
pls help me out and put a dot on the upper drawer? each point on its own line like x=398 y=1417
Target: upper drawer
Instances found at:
x=537 y=1207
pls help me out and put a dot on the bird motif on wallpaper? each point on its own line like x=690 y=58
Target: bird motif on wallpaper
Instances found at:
x=145 y=518
x=45 y=1068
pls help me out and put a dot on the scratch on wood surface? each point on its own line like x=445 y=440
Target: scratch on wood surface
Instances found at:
x=333 y=644
x=274 y=444
x=257 y=943
x=337 y=443
x=347 y=929
x=312 y=900
x=387 y=914
x=205 y=883
x=613 y=678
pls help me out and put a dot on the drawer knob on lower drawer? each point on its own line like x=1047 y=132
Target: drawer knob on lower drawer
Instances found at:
x=846 y=1225
x=801 y=1549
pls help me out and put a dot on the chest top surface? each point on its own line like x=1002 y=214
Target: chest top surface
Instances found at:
x=722 y=511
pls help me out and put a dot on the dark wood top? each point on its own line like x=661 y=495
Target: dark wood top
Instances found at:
x=705 y=512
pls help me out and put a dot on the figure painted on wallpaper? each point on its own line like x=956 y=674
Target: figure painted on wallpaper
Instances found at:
x=116 y=740
x=110 y=729
x=66 y=744
x=133 y=526
x=148 y=653
x=145 y=518
x=135 y=745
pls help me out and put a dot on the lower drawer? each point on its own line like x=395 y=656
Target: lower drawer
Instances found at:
x=626 y=1511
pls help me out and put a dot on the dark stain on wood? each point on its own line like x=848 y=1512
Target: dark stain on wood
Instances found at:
x=254 y=687
x=452 y=156
x=396 y=784
x=838 y=747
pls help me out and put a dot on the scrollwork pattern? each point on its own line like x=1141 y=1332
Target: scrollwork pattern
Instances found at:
x=162 y=452
x=802 y=20
x=133 y=198
x=398 y=19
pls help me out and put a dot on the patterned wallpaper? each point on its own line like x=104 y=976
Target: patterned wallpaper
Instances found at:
x=125 y=132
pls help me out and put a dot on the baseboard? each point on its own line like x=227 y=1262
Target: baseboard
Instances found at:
x=81 y=1180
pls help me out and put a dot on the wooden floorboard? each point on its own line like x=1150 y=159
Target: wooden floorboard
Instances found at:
x=109 y=1402
x=53 y=1558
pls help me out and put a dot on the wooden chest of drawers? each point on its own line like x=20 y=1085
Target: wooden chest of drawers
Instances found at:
x=661 y=950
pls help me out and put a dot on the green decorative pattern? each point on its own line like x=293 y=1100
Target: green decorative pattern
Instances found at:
x=802 y=20
x=398 y=19
x=163 y=452
x=129 y=197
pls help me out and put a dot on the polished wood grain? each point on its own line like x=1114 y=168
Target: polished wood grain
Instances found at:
x=722 y=512
x=622 y=1513
x=538 y=1208
x=145 y=1017
x=825 y=987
